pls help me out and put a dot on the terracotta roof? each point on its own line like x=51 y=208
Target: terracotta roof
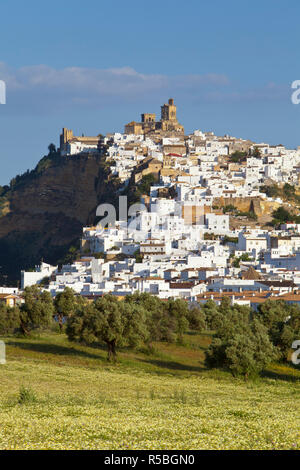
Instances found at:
x=254 y=297
x=280 y=283
x=181 y=285
x=251 y=274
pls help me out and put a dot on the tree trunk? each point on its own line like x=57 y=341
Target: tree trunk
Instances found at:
x=60 y=322
x=24 y=329
x=150 y=346
x=111 y=350
x=108 y=351
x=114 y=350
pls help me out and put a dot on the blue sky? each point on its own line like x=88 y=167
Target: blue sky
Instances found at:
x=93 y=66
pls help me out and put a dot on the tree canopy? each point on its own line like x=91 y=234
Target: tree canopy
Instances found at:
x=241 y=344
x=37 y=311
x=110 y=321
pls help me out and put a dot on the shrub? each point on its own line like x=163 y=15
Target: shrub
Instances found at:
x=165 y=321
x=37 y=311
x=108 y=320
x=241 y=345
x=65 y=305
x=9 y=320
x=283 y=323
x=26 y=395
x=196 y=318
x=282 y=215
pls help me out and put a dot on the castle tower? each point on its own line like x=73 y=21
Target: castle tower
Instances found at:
x=148 y=117
x=65 y=137
x=168 y=111
x=148 y=124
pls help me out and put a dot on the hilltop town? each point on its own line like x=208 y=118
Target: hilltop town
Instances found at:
x=216 y=216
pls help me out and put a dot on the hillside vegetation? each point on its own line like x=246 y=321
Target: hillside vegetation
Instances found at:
x=57 y=395
x=43 y=211
x=142 y=373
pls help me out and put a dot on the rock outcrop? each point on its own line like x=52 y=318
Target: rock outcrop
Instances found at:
x=48 y=208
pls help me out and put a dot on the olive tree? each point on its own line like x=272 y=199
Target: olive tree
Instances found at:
x=65 y=304
x=197 y=319
x=9 y=319
x=165 y=320
x=37 y=310
x=283 y=323
x=110 y=321
x=241 y=345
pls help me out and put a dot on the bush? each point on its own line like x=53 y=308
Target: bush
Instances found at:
x=241 y=345
x=139 y=319
x=26 y=395
x=227 y=239
x=229 y=208
x=166 y=321
x=9 y=320
x=65 y=304
x=37 y=311
x=108 y=320
x=214 y=318
x=282 y=215
x=283 y=323
x=238 y=157
x=197 y=319
x=243 y=257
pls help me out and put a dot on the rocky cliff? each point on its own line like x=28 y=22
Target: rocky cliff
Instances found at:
x=257 y=205
x=45 y=210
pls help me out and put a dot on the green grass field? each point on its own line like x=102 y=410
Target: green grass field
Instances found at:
x=166 y=400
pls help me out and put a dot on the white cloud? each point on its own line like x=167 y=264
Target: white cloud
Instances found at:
x=99 y=81
x=44 y=88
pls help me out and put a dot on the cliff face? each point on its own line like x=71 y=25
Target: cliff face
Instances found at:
x=48 y=209
x=257 y=205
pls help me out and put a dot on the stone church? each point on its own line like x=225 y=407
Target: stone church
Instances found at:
x=168 y=123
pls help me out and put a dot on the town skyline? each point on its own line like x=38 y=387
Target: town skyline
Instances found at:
x=149 y=228
x=190 y=217
x=93 y=89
